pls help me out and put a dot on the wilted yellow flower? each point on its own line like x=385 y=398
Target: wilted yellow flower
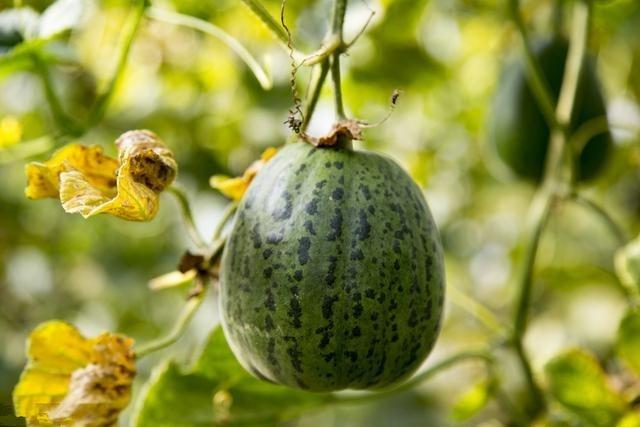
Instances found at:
x=10 y=131
x=89 y=183
x=234 y=188
x=73 y=381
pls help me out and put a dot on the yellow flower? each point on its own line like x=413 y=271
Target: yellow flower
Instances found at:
x=89 y=182
x=234 y=188
x=10 y=131
x=73 y=381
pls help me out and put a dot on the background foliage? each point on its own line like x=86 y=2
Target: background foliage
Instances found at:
x=202 y=101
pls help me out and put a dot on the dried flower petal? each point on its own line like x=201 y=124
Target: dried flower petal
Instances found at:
x=74 y=381
x=89 y=183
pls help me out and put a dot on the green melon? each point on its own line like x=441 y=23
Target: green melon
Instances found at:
x=333 y=274
x=518 y=128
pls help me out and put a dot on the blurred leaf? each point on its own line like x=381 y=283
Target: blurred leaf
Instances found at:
x=90 y=183
x=627 y=264
x=216 y=390
x=61 y=16
x=628 y=344
x=72 y=380
x=472 y=401
x=579 y=384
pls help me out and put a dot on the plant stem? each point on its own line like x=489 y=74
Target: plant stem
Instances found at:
x=337 y=32
x=566 y=101
x=337 y=86
x=63 y=121
x=477 y=310
x=537 y=80
x=574 y=65
x=330 y=46
x=553 y=181
x=557 y=16
x=208 y=28
x=538 y=218
x=178 y=329
x=187 y=215
x=339 y=11
x=587 y=130
x=224 y=219
x=418 y=378
x=314 y=93
x=215 y=249
x=599 y=211
x=130 y=30
x=263 y=14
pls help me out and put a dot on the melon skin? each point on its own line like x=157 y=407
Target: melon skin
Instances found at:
x=333 y=274
x=518 y=129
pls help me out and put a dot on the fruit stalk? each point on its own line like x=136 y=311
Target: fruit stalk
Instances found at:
x=339 y=11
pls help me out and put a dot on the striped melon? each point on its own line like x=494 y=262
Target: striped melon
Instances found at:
x=332 y=276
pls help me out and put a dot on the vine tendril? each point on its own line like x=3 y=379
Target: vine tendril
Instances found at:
x=296 y=117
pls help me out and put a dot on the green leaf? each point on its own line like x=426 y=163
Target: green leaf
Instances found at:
x=579 y=384
x=628 y=344
x=216 y=390
x=472 y=401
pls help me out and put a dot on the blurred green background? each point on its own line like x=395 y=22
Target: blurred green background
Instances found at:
x=445 y=55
